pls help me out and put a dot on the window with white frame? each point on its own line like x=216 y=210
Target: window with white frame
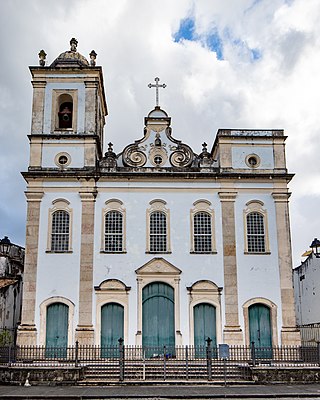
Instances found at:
x=60 y=231
x=255 y=233
x=59 y=238
x=113 y=237
x=256 y=228
x=113 y=227
x=158 y=232
x=202 y=232
x=202 y=228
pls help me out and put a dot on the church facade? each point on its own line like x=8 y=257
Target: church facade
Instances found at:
x=156 y=244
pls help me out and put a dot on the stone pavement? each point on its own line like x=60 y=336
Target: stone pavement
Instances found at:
x=154 y=392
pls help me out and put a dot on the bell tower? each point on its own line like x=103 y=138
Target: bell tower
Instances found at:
x=68 y=114
x=66 y=142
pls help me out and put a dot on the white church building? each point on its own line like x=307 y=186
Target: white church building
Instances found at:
x=156 y=244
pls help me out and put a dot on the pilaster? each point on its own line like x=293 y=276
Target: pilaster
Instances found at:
x=289 y=333
x=38 y=107
x=27 y=331
x=232 y=333
x=84 y=330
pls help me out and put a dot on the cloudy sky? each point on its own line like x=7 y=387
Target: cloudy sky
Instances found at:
x=227 y=64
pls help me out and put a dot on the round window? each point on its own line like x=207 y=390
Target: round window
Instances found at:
x=157 y=160
x=63 y=160
x=253 y=161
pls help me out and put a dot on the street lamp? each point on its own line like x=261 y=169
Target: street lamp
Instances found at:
x=5 y=246
x=315 y=246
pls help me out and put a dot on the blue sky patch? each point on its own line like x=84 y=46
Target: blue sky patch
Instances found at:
x=186 y=30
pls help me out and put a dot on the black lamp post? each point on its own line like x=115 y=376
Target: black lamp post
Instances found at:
x=315 y=246
x=5 y=246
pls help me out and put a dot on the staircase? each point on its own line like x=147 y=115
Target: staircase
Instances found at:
x=170 y=371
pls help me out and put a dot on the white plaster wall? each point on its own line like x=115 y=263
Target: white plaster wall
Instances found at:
x=239 y=154
x=49 y=153
x=58 y=274
x=258 y=275
x=48 y=104
x=194 y=267
x=307 y=291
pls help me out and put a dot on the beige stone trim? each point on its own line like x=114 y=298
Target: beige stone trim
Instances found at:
x=91 y=106
x=35 y=159
x=205 y=291
x=114 y=205
x=158 y=205
x=112 y=291
x=84 y=330
x=273 y=315
x=159 y=270
x=289 y=333
x=256 y=206
x=56 y=159
x=43 y=318
x=38 y=107
x=232 y=331
x=204 y=206
x=63 y=205
x=57 y=100
x=27 y=332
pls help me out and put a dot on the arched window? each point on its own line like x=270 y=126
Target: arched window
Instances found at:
x=113 y=239
x=65 y=115
x=158 y=232
x=255 y=233
x=202 y=232
x=60 y=231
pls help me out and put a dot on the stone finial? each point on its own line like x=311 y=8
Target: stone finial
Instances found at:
x=42 y=57
x=93 y=56
x=110 y=147
x=73 y=44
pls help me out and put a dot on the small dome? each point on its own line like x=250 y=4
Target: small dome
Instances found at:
x=71 y=58
x=157 y=113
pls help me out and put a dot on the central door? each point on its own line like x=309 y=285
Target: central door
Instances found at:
x=158 y=316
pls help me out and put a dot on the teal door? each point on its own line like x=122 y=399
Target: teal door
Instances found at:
x=260 y=330
x=204 y=317
x=158 y=318
x=57 y=330
x=112 y=317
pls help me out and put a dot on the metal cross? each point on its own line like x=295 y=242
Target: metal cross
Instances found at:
x=157 y=86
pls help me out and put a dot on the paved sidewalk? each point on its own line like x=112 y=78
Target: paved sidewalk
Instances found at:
x=277 y=391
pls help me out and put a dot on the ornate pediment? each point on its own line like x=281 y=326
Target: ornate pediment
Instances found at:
x=158 y=266
x=112 y=284
x=204 y=285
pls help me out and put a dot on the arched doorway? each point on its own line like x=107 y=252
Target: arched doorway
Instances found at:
x=158 y=328
x=57 y=330
x=260 y=329
x=112 y=318
x=204 y=320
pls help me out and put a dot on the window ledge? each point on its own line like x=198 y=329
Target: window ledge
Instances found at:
x=204 y=252
x=251 y=253
x=113 y=252
x=158 y=252
x=59 y=252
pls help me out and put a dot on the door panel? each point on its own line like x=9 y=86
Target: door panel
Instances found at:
x=57 y=330
x=112 y=321
x=260 y=330
x=158 y=317
x=204 y=316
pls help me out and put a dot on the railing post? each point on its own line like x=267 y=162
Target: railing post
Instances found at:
x=187 y=363
x=253 y=354
x=9 y=355
x=164 y=363
x=121 y=359
x=209 y=358
x=76 y=356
